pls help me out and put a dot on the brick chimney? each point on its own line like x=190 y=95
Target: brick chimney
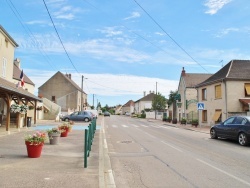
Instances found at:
x=183 y=72
x=70 y=76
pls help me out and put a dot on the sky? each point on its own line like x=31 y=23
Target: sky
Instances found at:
x=126 y=48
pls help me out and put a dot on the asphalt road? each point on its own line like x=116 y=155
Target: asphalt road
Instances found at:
x=150 y=154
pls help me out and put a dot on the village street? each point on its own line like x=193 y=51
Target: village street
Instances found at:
x=148 y=153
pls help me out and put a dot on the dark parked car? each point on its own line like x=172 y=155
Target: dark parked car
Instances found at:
x=79 y=116
x=106 y=113
x=235 y=127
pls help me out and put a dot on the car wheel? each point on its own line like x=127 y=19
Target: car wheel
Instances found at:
x=86 y=119
x=242 y=139
x=66 y=119
x=213 y=134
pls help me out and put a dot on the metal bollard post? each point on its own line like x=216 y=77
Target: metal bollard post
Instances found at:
x=86 y=149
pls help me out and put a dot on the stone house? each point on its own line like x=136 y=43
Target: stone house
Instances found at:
x=128 y=107
x=9 y=92
x=186 y=106
x=63 y=91
x=225 y=93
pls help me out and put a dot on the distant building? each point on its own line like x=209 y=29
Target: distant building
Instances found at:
x=128 y=107
x=144 y=103
x=63 y=91
x=186 y=106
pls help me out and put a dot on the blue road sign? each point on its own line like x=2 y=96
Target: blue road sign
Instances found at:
x=200 y=106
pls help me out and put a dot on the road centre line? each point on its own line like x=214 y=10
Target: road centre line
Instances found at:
x=224 y=172
x=149 y=135
x=172 y=146
x=105 y=143
x=124 y=125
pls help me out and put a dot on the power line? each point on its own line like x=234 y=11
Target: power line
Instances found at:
x=169 y=36
x=60 y=38
x=27 y=30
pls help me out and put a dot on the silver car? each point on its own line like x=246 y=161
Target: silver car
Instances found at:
x=79 y=116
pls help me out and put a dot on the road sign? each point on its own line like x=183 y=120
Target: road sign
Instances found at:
x=200 y=106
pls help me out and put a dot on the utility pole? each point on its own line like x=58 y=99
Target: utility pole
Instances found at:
x=93 y=100
x=157 y=99
x=82 y=94
x=156 y=88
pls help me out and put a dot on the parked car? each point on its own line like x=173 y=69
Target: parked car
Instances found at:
x=79 y=116
x=106 y=113
x=235 y=127
x=127 y=114
x=95 y=112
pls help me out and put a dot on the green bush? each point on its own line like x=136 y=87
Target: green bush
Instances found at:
x=143 y=115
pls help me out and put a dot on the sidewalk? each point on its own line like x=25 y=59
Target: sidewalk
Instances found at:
x=59 y=165
x=203 y=129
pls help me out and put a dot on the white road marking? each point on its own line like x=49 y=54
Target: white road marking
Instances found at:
x=105 y=143
x=144 y=126
x=172 y=146
x=134 y=125
x=150 y=135
x=224 y=172
x=124 y=125
x=111 y=179
x=114 y=126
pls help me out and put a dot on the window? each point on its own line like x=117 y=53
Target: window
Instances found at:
x=204 y=94
x=229 y=121
x=204 y=115
x=247 y=89
x=4 y=65
x=218 y=92
x=217 y=116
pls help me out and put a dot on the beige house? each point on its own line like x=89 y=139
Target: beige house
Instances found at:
x=63 y=91
x=144 y=103
x=128 y=107
x=226 y=93
x=9 y=92
x=186 y=106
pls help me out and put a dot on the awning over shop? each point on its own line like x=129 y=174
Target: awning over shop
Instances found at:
x=245 y=101
x=217 y=115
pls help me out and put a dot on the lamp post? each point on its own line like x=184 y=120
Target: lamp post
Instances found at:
x=82 y=93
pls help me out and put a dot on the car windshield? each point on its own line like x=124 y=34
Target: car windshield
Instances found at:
x=248 y=118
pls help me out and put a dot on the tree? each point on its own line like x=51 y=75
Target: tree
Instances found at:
x=172 y=97
x=172 y=100
x=159 y=102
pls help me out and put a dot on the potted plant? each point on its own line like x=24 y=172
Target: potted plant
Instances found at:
x=34 y=144
x=169 y=119
x=195 y=122
x=183 y=121
x=54 y=135
x=65 y=127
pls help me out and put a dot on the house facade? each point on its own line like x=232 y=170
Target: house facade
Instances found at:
x=10 y=93
x=226 y=93
x=128 y=107
x=144 y=103
x=63 y=91
x=186 y=104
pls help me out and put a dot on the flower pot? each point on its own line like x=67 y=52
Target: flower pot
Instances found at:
x=54 y=138
x=64 y=133
x=34 y=150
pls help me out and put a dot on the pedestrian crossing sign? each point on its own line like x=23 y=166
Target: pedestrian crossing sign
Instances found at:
x=200 y=106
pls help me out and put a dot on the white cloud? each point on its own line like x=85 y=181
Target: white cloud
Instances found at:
x=215 y=5
x=226 y=31
x=133 y=15
x=109 y=84
x=159 y=33
x=111 y=31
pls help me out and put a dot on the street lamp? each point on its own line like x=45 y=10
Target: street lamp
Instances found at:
x=82 y=93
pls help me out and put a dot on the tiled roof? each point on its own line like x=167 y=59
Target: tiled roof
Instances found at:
x=6 y=86
x=234 y=70
x=148 y=97
x=17 y=73
x=129 y=103
x=192 y=79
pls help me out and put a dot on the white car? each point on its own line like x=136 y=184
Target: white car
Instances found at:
x=94 y=112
